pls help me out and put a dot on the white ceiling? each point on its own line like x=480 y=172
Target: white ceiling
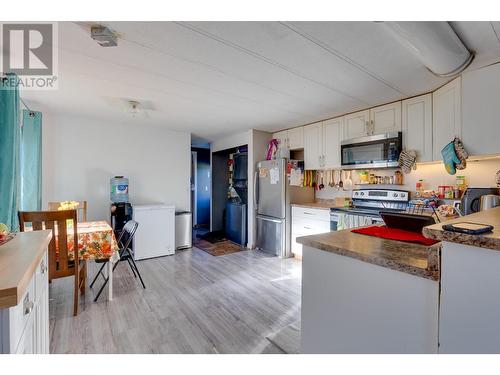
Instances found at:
x=217 y=78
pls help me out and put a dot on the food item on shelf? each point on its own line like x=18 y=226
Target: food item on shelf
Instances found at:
x=398 y=178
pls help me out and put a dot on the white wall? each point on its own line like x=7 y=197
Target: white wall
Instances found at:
x=231 y=141
x=80 y=155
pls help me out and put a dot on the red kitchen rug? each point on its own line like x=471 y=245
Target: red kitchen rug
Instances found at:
x=395 y=234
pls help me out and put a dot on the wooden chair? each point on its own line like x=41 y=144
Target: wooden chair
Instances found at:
x=59 y=263
x=81 y=209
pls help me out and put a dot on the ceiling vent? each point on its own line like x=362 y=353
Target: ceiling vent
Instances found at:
x=435 y=44
x=104 y=36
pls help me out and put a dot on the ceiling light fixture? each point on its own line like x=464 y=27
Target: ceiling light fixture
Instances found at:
x=104 y=36
x=435 y=44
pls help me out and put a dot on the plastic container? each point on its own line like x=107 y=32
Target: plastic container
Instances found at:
x=119 y=189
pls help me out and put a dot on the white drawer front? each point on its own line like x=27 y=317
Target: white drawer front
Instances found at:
x=311 y=213
x=20 y=314
x=41 y=277
x=307 y=226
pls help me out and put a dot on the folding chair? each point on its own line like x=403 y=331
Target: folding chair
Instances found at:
x=124 y=240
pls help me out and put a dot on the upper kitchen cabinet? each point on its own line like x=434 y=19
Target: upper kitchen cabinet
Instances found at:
x=385 y=119
x=282 y=138
x=378 y=120
x=417 y=126
x=332 y=137
x=296 y=138
x=446 y=116
x=313 y=142
x=357 y=124
x=481 y=110
x=292 y=139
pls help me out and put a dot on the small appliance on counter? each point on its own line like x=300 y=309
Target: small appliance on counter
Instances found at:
x=489 y=201
x=471 y=199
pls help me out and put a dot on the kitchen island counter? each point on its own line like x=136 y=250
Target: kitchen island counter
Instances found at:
x=489 y=240
x=411 y=258
x=363 y=294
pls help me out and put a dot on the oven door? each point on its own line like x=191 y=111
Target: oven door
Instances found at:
x=378 y=151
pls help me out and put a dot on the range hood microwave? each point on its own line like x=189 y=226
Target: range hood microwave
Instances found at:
x=376 y=151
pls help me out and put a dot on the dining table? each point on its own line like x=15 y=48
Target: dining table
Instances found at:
x=96 y=241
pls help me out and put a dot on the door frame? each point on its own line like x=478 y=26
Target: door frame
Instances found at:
x=194 y=187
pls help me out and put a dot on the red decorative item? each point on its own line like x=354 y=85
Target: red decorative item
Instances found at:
x=395 y=234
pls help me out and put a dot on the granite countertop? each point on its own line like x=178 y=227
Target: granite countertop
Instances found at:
x=414 y=259
x=322 y=204
x=489 y=240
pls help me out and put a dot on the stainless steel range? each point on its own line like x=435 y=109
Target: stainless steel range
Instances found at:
x=367 y=204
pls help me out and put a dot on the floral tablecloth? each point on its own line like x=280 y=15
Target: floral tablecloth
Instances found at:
x=96 y=240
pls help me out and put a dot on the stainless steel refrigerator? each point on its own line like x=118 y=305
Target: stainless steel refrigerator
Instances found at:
x=272 y=197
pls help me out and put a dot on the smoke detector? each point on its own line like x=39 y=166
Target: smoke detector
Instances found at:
x=104 y=36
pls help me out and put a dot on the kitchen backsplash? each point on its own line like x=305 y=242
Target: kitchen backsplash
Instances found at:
x=479 y=173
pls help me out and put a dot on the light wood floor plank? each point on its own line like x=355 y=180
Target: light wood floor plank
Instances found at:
x=194 y=303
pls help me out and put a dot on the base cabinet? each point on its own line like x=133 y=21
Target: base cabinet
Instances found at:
x=306 y=222
x=24 y=328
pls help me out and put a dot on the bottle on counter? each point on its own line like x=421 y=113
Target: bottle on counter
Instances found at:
x=420 y=188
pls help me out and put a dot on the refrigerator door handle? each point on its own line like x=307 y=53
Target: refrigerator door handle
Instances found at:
x=255 y=192
x=279 y=221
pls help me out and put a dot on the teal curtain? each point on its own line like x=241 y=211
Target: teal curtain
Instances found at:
x=31 y=161
x=10 y=140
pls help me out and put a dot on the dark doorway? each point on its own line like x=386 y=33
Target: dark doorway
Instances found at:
x=201 y=187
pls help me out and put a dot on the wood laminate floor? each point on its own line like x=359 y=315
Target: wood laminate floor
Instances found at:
x=194 y=303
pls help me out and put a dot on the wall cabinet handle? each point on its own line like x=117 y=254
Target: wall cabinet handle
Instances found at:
x=372 y=127
x=307 y=228
x=43 y=268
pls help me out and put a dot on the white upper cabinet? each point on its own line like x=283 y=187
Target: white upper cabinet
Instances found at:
x=417 y=126
x=386 y=118
x=446 y=116
x=481 y=111
x=296 y=138
x=313 y=158
x=332 y=137
x=378 y=120
x=282 y=138
x=356 y=124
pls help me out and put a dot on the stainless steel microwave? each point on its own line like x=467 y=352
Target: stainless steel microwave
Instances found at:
x=376 y=151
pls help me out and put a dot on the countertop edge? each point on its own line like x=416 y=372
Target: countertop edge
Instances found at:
x=396 y=266
x=489 y=240
x=11 y=296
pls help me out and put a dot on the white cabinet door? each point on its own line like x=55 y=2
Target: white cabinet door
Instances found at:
x=332 y=137
x=313 y=146
x=27 y=343
x=481 y=110
x=417 y=126
x=446 y=116
x=282 y=138
x=386 y=118
x=356 y=124
x=296 y=138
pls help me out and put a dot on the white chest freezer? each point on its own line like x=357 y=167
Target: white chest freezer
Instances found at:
x=155 y=236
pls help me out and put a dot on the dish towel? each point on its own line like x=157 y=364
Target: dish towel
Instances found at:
x=395 y=234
